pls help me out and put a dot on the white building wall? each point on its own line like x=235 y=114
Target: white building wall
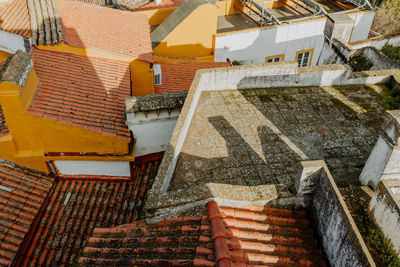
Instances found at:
x=362 y=25
x=10 y=42
x=152 y=132
x=108 y=168
x=254 y=45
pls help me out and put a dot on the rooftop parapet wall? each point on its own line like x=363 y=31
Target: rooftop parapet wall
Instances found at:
x=383 y=161
x=336 y=228
x=147 y=103
x=245 y=77
x=16 y=68
x=152 y=118
x=384 y=209
x=377 y=42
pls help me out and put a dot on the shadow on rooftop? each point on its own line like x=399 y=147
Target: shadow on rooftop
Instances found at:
x=283 y=126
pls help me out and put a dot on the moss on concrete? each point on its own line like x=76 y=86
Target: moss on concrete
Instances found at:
x=379 y=246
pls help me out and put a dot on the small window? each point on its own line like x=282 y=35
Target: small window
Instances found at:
x=157 y=74
x=276 y=58
x=304 y=58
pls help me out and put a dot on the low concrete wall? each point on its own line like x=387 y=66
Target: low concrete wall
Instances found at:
x=383 y=162
x=378 y=59
x=246 y=77
x=336 y=228
x=384 y=209
x=368 y=48
x=377 y=42
x=377 y=160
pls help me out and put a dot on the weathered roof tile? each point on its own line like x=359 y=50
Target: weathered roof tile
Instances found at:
x=22 y=192
x=178 y=76
x=188 y=241
x=85 y=92
x=116 y=31
x=77 y=206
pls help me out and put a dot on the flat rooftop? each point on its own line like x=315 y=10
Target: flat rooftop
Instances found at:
x=283 y=11
x=259 y=136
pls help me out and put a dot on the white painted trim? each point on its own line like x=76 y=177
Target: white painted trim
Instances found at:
x=108 y=168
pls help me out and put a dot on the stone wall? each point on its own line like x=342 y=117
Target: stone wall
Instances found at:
x=341 y=240
x=384 y=209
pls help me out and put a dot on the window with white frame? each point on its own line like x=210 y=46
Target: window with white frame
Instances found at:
x=304 y=58
x=157 y=74
x=274 y=59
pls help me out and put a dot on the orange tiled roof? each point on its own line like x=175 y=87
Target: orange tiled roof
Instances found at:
x=252 y=236
x=14 y=18
x=3 y=125
x=76 y=207
x=164 y=4
x=22 y=192
x=178 y=76
x=108 y=29
x=81 y=91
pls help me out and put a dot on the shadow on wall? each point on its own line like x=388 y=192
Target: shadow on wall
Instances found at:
x=85 y=92
x=279 y=128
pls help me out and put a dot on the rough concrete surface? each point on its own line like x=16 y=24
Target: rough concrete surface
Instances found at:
x=259 y=136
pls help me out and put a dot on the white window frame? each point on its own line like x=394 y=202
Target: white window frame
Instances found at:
x=157 y=74
x=273 y=59
x=304 y=58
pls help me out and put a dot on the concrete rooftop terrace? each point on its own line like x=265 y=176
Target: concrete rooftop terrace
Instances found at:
x=284 y=11
x=259 y=136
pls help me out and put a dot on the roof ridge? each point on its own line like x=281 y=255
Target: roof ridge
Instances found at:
x=219 y=236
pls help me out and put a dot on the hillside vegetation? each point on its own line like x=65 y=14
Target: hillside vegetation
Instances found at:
x=387 y=16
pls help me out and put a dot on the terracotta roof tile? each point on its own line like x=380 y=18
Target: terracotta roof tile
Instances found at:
x=120 y=32
x=85 y=92
x=22 y=192
x=164 y=4
x=14 y=18
x=258 y=239
x=3 y=125
x=76 y=207
x=178 y=76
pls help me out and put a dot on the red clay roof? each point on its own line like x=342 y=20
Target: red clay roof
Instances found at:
x=76 y=207
x=251 y=236
x=22 y=192
x=116 y=31
x=178 y=76
x=14 y=18
x=81 y=91
x=3 y=125
x=164 y=4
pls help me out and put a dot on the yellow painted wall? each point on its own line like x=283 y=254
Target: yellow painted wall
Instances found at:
x=142 y=78
x=192 y=38
x=157 y=16
x=3 y=55
x=31 y=136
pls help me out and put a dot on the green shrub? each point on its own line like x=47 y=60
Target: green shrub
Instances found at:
x=391 y=51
